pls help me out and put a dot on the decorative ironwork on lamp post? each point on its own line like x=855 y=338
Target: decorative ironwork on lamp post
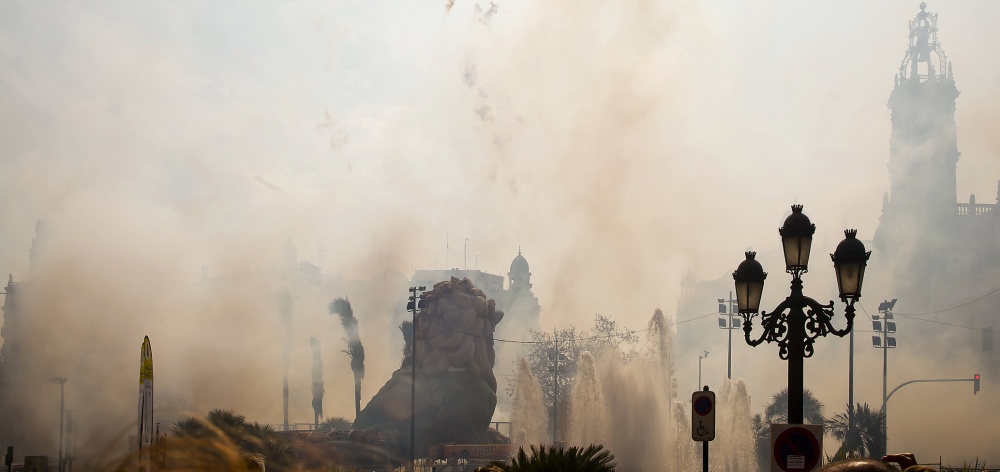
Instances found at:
x=798 y=321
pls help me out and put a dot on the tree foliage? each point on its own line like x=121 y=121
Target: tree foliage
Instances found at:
x=593 y=458
x=562 y=349
x=223 y=435
x=866 y=439
x=355 y=350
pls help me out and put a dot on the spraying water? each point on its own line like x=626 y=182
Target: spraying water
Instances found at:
x=734 y=447
x=629 y=406
x=587 y=403
x=528 y=418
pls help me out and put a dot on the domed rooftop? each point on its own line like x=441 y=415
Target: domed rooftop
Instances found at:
x=519 y=264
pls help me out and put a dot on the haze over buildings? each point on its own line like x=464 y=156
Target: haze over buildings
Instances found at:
x=621 y=144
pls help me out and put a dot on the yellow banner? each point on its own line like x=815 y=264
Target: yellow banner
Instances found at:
x=145 y=362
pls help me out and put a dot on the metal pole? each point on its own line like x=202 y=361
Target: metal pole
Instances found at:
x=704 y=456
x=70 y=428
x=729 y=372
x=62 y=396
x=413 y=381
x=885 y=378
x=286 y=358
x=796 y=355
x=555 y=404
x=850 y=388
x=699 y=371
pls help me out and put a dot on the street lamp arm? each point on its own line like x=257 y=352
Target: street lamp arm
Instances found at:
x=819 y=317
x=774 y=324
x=849 y=315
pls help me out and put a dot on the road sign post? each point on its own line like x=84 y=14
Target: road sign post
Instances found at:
x=703 y=421
x=796 y=447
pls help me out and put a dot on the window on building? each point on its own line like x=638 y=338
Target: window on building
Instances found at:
x=987 y=339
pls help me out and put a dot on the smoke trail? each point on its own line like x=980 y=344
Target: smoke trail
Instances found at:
x=355 y=350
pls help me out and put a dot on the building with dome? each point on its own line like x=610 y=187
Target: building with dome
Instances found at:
x=517 y=301
x=520 y=308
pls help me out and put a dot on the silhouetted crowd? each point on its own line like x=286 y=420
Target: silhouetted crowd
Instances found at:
x=907 y=463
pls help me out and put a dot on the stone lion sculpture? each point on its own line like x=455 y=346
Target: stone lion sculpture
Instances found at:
x=455 y=385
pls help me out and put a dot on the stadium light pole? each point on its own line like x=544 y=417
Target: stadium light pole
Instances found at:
x=61 y=382
x=798 y=321
x=884 y=326
x=415 y=303
x=728 y=309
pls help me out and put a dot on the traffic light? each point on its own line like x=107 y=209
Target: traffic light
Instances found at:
x=975 y=384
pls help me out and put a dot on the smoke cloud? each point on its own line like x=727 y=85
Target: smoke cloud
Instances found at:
x=175 y=148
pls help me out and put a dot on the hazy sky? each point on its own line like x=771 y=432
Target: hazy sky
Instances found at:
x=619 y=144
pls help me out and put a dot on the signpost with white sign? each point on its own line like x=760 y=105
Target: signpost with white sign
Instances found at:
x=703 y=420
x=796 y=447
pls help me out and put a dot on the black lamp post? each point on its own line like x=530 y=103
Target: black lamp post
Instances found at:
x=797 y=321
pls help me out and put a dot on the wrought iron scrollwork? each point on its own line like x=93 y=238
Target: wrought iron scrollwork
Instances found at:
x=816 y=323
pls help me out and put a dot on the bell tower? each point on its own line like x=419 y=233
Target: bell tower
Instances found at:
x=519 y=276
x=923 y=149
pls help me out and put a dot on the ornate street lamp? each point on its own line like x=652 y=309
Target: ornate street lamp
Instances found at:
x=797 y=321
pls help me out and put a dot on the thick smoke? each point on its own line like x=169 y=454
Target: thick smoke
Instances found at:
x=625 y=142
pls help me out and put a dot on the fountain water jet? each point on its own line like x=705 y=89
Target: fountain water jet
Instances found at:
x=587 y=403
x=528 y=419
x=734 y=446
x=628 y=406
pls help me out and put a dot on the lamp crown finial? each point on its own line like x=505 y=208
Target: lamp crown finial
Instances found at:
x=797 y=208
x=851 y=233
x=751 y=255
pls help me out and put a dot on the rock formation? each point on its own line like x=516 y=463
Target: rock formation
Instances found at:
x=455 y=385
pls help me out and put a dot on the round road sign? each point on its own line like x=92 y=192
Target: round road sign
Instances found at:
x=703 y=405
x=796 y=449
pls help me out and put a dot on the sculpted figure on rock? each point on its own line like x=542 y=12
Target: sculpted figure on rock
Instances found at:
x=455 y=385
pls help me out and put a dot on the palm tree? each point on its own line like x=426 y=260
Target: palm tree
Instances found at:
x=189 y=427
x=355 y=350
x=317 y=381
x=777 y=412
x=866 y=439
x=593 y=458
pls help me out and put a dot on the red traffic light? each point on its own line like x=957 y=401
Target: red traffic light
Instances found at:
x=975 y=384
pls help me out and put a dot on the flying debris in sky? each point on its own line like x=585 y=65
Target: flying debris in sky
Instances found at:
x=329 y=126
x=267 y=184
x=485 y=18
